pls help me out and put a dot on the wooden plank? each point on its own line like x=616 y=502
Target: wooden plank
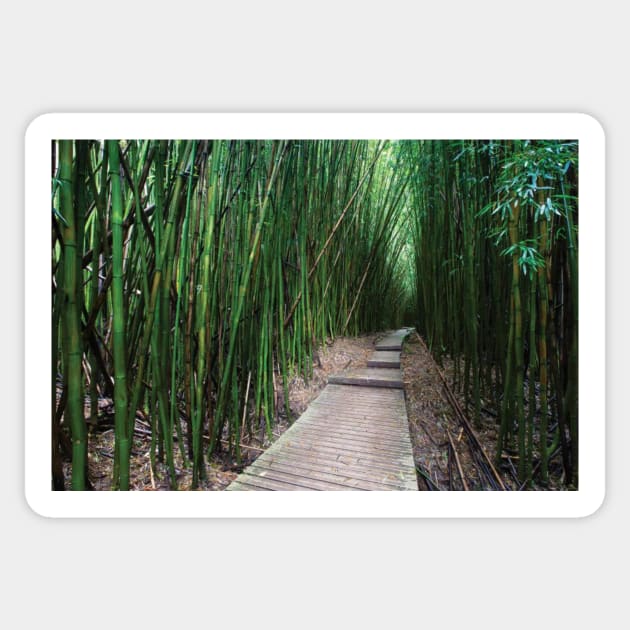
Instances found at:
x=278 y=470
x=358 y=477
x=380 y=420
x=357 y=456
x=374 y=414
x=393 y=477
x=348 y=431
x=346 y=444
x=393 y=341
x=336 y=390
x=360 y=408
x=369 y=377
x=335 y=473
x=342 y=392
x=352 y=467
x=349 y=438
x=382 y=436
x=394 y=415
x=376 y=398
x=363 y=411
x=365 y=431
x=260 y=483
x=384 y=359
x=351 y=402
x=368 y=428
x=388 y=346
x=277 y=480
x=308 y=441
x=346 y=449
x=373 y=465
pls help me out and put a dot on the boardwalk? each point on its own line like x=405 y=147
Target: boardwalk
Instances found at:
x=353 y=436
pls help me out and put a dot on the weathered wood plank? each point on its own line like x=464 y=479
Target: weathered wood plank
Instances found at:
x=350 y=438
x=349 y=432
x=393 y=341
x=369 y=377
x=277 y=480
x=347 y=446
x=261 y=483
x=278 y=470
x=387 y=476
x=342 y=393
x=384 y=359
x=373 y=463
x=345 y=426
x=366 y=432
x=361 y=477
x=376 y=465
x=335 y=449
x=335 y=390
x=352 y=401
x=374 y=414
x=378 y=406
x=309 y=440
x=392 y=417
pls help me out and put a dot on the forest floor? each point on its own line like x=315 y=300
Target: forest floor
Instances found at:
x=431 y=423
x=432 y=420
x=441 y=441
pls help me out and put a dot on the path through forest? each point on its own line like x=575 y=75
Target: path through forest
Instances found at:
x=430 y=417
x=353 y=436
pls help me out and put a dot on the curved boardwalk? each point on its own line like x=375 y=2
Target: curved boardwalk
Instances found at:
x=353 y=436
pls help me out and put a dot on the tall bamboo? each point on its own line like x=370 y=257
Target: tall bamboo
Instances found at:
x=71 y=335
x=123 y=434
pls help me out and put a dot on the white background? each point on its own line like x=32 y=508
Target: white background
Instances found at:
x=329 y=56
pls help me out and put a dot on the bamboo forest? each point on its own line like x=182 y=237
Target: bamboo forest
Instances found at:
x=207 y=293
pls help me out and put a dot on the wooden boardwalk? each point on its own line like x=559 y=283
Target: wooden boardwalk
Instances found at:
x=353 y=436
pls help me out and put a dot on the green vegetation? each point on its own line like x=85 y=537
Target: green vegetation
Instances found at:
x=495 y=246
x=191 y=278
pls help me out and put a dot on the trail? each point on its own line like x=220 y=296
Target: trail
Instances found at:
x=353 y=436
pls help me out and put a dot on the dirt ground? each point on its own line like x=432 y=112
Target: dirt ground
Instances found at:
x=432 y=421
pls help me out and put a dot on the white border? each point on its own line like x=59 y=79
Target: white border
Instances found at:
x=581 y=503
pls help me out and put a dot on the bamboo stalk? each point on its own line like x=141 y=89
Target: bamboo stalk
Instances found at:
x=457 y=462
x=71 y=338
x=122 y=433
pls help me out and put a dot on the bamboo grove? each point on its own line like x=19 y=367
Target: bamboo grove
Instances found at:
x=192 y=279
x=494 y=232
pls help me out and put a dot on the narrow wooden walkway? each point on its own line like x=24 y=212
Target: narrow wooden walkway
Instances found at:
x=353 y=436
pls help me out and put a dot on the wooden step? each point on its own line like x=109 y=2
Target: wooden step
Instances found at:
x=384 y=359
x=369 y=377
x=393 y=341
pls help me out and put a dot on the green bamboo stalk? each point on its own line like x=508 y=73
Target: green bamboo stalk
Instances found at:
x=180 y=281
x=542 y=341
x=281 y=149
x=156 y=284
x=203 y=321
x=71 y=337
x=58 y=293
x=123 y=435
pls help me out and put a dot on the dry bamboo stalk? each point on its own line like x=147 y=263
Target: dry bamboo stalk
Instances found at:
x=458 y=410
x=457 y=463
